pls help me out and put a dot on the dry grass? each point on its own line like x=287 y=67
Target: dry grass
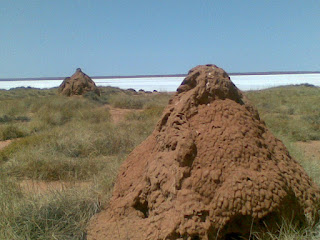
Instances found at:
x=69 y=139
x=290 y=111
x=54 y=215
x=74 y=139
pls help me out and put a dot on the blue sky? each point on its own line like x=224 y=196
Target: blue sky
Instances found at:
x=43 y=38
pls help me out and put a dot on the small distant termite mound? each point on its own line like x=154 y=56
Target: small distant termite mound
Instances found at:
x=78 y=84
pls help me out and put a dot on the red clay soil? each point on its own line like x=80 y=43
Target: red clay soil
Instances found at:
x=210 y=170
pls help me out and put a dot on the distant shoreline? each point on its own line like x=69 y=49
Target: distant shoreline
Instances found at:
x=166 y=75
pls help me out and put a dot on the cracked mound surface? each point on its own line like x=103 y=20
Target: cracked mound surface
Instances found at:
x=78 y=84
x=210 y=170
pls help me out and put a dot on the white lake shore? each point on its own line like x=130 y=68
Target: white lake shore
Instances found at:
x=170 y=84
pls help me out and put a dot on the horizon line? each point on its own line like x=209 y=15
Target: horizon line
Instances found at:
x=162 y=75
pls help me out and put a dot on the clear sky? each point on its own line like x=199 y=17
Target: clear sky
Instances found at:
x=44 y=38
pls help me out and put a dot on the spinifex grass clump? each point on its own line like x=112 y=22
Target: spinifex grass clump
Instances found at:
x=71 y=138
x=59 y=110
x=54 y=215
x=11 y=131
x=290 y=231
x=73 y=151
x=25 y=93
x=22 y=117
x=140 y=101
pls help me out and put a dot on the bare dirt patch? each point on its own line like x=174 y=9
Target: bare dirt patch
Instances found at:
x=310 y=149
x=3 y=144
x=40 y=187
x=119 y=114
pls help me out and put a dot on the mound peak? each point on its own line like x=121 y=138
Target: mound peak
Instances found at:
x=210 y=170
x=210 y=82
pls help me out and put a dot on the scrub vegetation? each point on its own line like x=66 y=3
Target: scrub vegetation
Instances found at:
x=291 y=112
x=74 y=141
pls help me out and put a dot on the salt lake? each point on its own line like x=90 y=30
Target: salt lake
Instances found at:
x=170 y=84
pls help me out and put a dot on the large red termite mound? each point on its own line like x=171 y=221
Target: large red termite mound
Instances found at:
x=210 y=170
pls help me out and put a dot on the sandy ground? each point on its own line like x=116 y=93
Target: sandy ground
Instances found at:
x=3 y=144
x=310 y=149
x=119 y=114
x=39 y=187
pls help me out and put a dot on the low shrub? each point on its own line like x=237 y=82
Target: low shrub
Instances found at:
x=11 y=131
x=92 y=96
x=6 y=119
